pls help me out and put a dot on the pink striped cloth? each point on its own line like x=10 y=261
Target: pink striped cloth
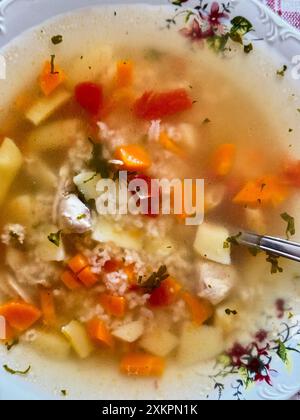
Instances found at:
x=290 y=11
x=287 y=9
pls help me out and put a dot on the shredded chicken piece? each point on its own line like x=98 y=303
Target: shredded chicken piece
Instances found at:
x=13 y=233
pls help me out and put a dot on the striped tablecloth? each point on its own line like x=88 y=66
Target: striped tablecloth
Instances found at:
x=290 y=11
x=287 y=9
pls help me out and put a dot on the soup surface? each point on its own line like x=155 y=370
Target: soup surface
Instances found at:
x=114 y=91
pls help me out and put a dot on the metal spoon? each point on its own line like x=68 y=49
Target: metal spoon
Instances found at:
x=276 y=246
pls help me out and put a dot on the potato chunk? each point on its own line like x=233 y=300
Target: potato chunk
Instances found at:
x=209 y=243
x=10 y=163
x=76 y=333
x=199 y=344
x=53 y=136
x=46 y=106
x=159 y=342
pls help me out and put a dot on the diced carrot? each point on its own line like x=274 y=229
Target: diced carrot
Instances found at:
x=142 y=364
x=135 y=157
x=129 y=271
x=98 y=331
x=8 y=334
x=49 y=81
x=156 y=105
x=78 y=263
x=291 y=172
x=201 y=309
x=70 y=280
x=170 y=145
x=166 y=293
x=223 y=159
x=87 y=277
x=124 y=73
x=113 y=305
x=20 y=315
x=268 y=190
x=48 y=307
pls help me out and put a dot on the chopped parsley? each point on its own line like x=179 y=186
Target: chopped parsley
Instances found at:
x=16 y=372
x=55 y=238
x=274 y=261
x=57 y=39
x=282 y=71
x=155 y=280
x=206 y=121
x=290 y=229
x=97 y=162
x=9 y=345
x=64 y=392
x=298 y=110
x=248 y=48
x=81 y=216
x=232 y=240
x=230 y=312
x=291 y=130
x=52 y=63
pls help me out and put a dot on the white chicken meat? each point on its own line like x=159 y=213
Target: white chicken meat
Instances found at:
x=74 y=215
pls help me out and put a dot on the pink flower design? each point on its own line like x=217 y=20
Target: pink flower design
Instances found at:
x=214 y=16
x=195 y=32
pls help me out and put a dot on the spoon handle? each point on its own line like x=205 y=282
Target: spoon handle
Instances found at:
x=276 y=246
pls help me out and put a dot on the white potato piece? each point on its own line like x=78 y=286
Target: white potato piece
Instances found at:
x=159 y=342
x=86 y=182
x=42 y=176
x=20 y=209
x=77 y=336
x=256 y=221
x=209 y=243
x=216 y=281
x=199 y=344
x=10 y=163
x=94 y=63
x=47 y=105
x=46 y=250
x=52 y=344
x=53 y=136
x=105 y=231
x=129 y=332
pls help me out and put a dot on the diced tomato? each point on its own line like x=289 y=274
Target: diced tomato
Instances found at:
x=155 y=105
x=111 y=266
x=166 y=293
x=292 y=173
x=90 y=97
x=147 y=195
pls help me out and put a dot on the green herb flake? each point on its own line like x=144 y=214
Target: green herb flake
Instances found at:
x=298 y=110
x=282 y=71
x=254 y=251
x=155 y=280
x=232 y=240
x=290 y=229
x=10 y=344
x=97 y=162
x=206 y=121
x=52 y=63
x=282 y=351
x=248 y=48
x=16 y=372
x=274 y=261
x=55 y=238
x=81 y=216
x=230 y=312
x=64 y=392
x=57 y=39
x=291 y=130
x=153 y=54
x=240 y=26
